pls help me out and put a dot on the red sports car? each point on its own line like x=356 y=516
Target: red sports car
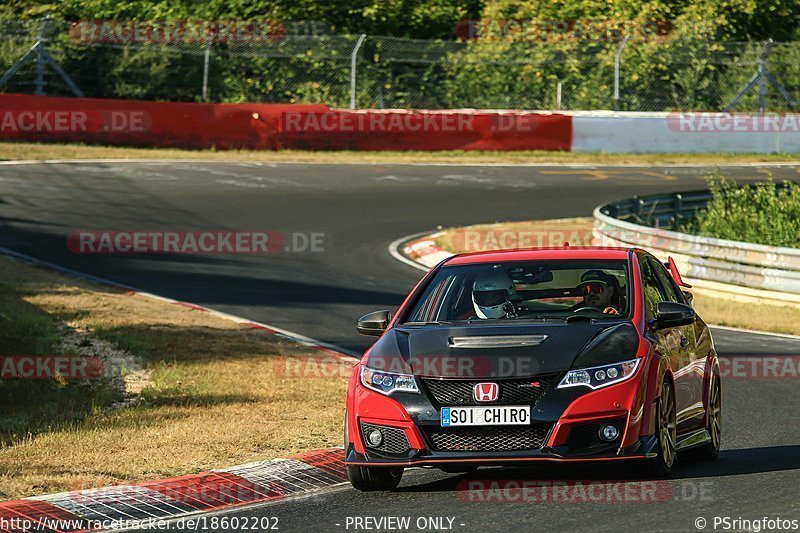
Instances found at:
x=511 y=357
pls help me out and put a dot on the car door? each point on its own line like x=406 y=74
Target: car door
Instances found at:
x=692 y=365
x=667 y=340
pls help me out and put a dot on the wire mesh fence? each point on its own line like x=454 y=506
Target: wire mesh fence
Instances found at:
x=182 y=63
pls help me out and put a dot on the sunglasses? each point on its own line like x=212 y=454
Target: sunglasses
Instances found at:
x=594 y=288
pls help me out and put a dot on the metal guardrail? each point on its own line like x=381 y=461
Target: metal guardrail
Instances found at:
x=647 y=222
x=658 y=210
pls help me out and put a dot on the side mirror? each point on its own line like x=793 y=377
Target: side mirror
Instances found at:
x=672 y=314
x=374 y=323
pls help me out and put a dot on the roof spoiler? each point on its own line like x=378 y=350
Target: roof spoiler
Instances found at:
x=673 y=269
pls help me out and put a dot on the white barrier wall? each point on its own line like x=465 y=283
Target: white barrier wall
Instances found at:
x=684 y=132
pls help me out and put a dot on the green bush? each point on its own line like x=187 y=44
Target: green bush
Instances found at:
x=763 y=213
x=710 y=52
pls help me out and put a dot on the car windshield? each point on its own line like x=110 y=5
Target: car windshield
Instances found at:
x=529 y=290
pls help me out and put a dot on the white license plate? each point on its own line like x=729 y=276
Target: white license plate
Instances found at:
x=498 y=415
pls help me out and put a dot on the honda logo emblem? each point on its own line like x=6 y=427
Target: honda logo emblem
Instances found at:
x=486 y=392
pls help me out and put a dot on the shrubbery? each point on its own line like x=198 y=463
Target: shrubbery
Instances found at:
x=763 y=213
x=696 y=66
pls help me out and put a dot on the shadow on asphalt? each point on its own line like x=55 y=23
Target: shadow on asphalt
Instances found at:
x=730 y=463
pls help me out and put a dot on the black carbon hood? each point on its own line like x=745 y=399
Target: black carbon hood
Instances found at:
x=502 y=351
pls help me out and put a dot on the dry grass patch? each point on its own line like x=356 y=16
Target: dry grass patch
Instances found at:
x=771 y=317
x=504 y=235
x=42 y=151
x=220 y=393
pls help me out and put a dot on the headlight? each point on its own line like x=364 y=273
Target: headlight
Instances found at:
x=599 y=376
x=387 y=382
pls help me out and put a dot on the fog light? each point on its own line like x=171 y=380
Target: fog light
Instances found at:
x=609 y=432
x=374 y=438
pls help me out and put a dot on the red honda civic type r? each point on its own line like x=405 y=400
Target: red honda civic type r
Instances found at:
x=570 y=354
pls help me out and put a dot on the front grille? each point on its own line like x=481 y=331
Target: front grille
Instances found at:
x=499 y=439
x=394 y=439
x=512 y=391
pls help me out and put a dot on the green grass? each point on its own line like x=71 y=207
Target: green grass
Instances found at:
x=214 y=393
x=10 y=151
x=761 y=213
x=29 y=407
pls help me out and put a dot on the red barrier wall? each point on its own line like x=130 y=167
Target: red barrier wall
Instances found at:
x=274 y=126
x=424 y=130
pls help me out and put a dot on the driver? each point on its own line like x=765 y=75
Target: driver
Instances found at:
x=492 y=295
x=600 y=290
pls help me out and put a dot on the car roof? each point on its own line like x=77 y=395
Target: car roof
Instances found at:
x=541 y=254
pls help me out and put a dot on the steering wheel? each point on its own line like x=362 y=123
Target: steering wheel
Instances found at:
x=587 y=308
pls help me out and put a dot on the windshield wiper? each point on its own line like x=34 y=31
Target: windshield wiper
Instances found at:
x=427 y=323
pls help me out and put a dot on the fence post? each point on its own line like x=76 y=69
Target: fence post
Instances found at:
x=617 y=57
x=206 y=59
x=40 y=59
x=353 y=58
x=762 y=76
x=38 y=52
x=558 y=95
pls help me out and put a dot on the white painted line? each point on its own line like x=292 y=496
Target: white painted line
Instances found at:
x=756 y=332
x=241 y=509
x=394 y=250
x=576 y=165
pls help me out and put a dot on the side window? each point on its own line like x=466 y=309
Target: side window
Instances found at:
x=438 y=298
x=666 y=282
x=653 y=293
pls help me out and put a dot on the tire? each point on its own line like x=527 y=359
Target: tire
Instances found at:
x=666 y=430
x=710 y=450
x=373 y=478
x=370 y=478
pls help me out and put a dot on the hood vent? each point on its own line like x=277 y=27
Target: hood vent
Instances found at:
x=496 y=341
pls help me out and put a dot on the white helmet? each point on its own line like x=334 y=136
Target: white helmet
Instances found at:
x=491 y=293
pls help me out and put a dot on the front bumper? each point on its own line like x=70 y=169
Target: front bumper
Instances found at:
x=644 y=448
x=567 y=421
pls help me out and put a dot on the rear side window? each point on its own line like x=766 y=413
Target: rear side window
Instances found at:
x=666 y=282
x=653 y=292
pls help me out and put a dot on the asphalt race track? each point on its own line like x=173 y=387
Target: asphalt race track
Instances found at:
x=359 y=210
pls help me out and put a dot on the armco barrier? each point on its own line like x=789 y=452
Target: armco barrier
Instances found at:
x=274 y=126
x=745 y=264
x=685 y=132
